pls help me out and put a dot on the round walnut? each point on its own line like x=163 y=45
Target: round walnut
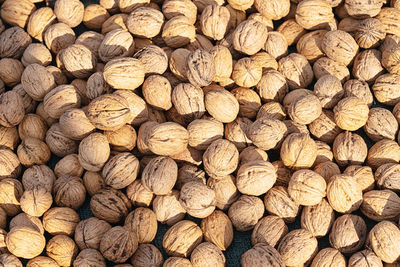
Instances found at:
x=203 y=132
x=222 y=105
x=121 y=170
x=260 y=254
x=32 y=126
x=36 y=202
x=276 y=45
x=318 y=219
x=139 y=195
x=278 y=202
x=214 y=21
x=217 y=228
x=29 y=104
x=249 y=37
x=385 y=89
x=177 y=139
x=314 y=15
x=11 y=109
x=363 y=175
x=59 y=36
x=307 y=188
x=225 y=191
x=60 y=221
x=25 y=242
x=33 y=151
x=197 y=199
x=339 y=46
x=324 y=127
x=157 y=92
x=380 y=205
x=367 y=65
x=89 y=232
x=175 y=261
x=62 y=249
x=340 y=185
x=188 y=101
x=255 y=177
x=9 y=137
x=60 y=99
x=124 y=73
x=381 y=124
x=273 y=110
x=123 y=139
x=96 y=86
x=178 y=31
x=329 y=256
x=305 y=109
x=94 y=151
x=41 y=261
x=116 y=21
x=329 y=91
x=89 y=257
x=75 y=124
x=370 y=9
x=25 y=220
x=38 y=176
x=351 y=113
x=93 y=182
x=309 y=45
x=325 y=65
x=386 y=176
x=171 y=8
x=207 y=254
x=384 y=238
x=359 y=89
x=116 y=44
x=246 y=212
x=159 y=176
x=247 y=72
x=272 y=86
x=70 y=12
x=249 y=102
x=17 y=12
x=69 y=191
x=349 y=148
x=182 y=238
x=292 y=31
x=298 y=247
x=92 y=40
x=118 y=244
x=348 y=233
x=221 y=158
x=297 y=70
x=365 y=257
x=382 y=152
x=147 y=255
x=11 y=71
x=60 y=144
x=145 y=22
x=168 y=208
x=270 y=230
x=39 y=21
x=267 y=133
x=10 y=164
x=13 y=42
x=154 y=59
x=9 y=259
x=36 y=53
x=143 y=222
x=298 y=151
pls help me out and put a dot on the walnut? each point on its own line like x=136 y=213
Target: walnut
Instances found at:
x=325 y=65
x=385 y=89
x=236 y=132
x=92 y=40
x=324 y=127
x=143 y=222
x=69 y=191
x=349 y=148
x=273 y=110
x=351 y=113
x=200 y=68
x=249 y=102
x=255 y=177
x=188 y=101
x=11 y=109
x=33 y=126
x=116 y=21
x=9 y=259
x=358 y=11
x=145 y=22
x=36 y=202
x=298 y=151
x=10 y=164
x=217 y=228
x=207 y=254
x=272 y=86
x=292 y=31
x=181 y=239
x=306 y=15
x=265 y=60
x=318 y=219
x=75 y=124
x=297 y=70
x=241 y=5
x=78 y=60
x=367 y=65
x=33 y=151
x=62 y=249
x=282 y=172
x=363 y=175
x=94 y=160
x=384 y=151
x=60 y=221
x=383 y=239
x=276 y=45
x=37 y=81
x=123 y=139
x=177 y=139
x=127 y=6
x=70 y=12
x=178 y=63
x=189 y=173
x=246 y=31
x=25 y=220
x=116 y=44
x=96 y=86
x=333 y=46
x=222 y=105
x=247 y=72
x=267 y=133
x=138 y=108
x=39 y=21
x=89 y=257
x=329 y=256
x=359 y=89
x=270 y=230
x=121 y=170
x=38 y=176
x=60 y=78
x=94 y=16
x=153 y=58
x=168 y=208
x=260 y=254
x=298 y=247
x=89 y=232
x=58 y=37
x=93 y=182
x=13 y=42
x=364 y=257
x=390 y=60
x=246 y=212
x=178 y=31
x=307 y=188
x=329 y=90
x=380 y=205
x=29 y=104
x=381 y=124
x=9 y=137
x=305 y=109
x=197 y=199
x=25 y=242
x=177 y=261
x=11 y=71
x=340 y=185
x=147 y=255
x=309 y=45
x=386 y=176
x=17 y=12
x=60 y=144
x=203 y=132
x=124 y=73
x=118 y=244
x=221 y=158
x=41 y=261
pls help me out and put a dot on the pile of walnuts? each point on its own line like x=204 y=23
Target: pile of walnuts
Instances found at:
x=247 y=114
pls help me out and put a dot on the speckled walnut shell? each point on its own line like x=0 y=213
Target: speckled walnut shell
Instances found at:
x=17 y=13
x=356 y=10
x=207 y=254
x=147 y=255
x=197 y=199
x=36 y=202
x=69 y=191
x=121 y=170
x=260 y=254
x=159 y=175
x=329 y=256
x=380 y=205
x=384 y=151
x=142 y=222
x=385 y=89
x=297 y=70
x=365 y=257
x=89 y=232
x=58 y=36
x=221 y=158
x=178 y=31
x=177 y=139
x=270 y=230
x=25 y=242
x=246 y=212
x=39 y=21
x=255 y=177
x=11 y=109
x=340 y=185
x=298 y=247
x=60 y=221
x=390 y=19
x=298 y=151
x=110 y=205
x=381 y=124
x=214 y=21
x=200 y=67
x=38 y=176
x=181 y=239
x=383 y=239
x=13 y=42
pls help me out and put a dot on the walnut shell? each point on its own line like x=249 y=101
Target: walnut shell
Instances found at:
x=89 y=257
x=9 y=259
x=298 y=151
x=367 y=65
x=246 y=212
x=346 y=116
x=69 y=191
x=178 y=31
x=123 y=139
x=124 y=73
x=177 y=261
x=9 y=137
x=325 y=65
x=25 y=242
x=94 y=16
x=203 y=132
x=121 y=170
x=385 y=89
x=139 y=195
x=255 y=177
x=36 y=202
x=329 y=256
x=11 y=71
x=309 y=45
x=70 y=12
x=380 y=205
x=384 y=151
x=88 y=233
x=118 y=244
x=41 y=261
x=37 y=81
x=267 y=133
x=168 y=208
x=363 y=176
x=246 y=31
x=177 y=139
x=11 y=109
x=92 y=40
x=225 y=189
x=305 y=109
x=147 y=255
x=60 y=221
x=390 y=19
x=349 y=148
x=62 y=249
x=17 y=13
x=145 y=22
x=381 y=124
x=222 y=105
x=38 y=176
x=58 y=37
x=221 y=158
x=75 y=124
x=217 y=228
x=154 y=59
x=181 y=239
x=333 y=46
x=60 y=144
x=68 y=165
x=340 y=185
x=32 y=126
x=116 y=44
x=247 y=72
x=214 y=21
x=207 y=254
x=318 y=219
x=39 y=21
x=172 y=8
x=383 y=239
x=138 y=108
x=188 y=101
x=307 y=188
x=270 y=230
x=60 y=99
x=93 y=182
x=25 y=220
x=297 y=70
x=13 y=42
x=94 y=151
x=386 y=176
x=200 y=68
x=143 y=222
x=197 y=199
x=365 y=257
x=260 y=254
x=272 y=86
x=324 y=127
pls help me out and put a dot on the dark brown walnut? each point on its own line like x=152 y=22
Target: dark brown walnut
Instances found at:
x=348 y=233
x=142 y=222
x=69 y=191
x=147 y=255
x=60 y=221
x=121 y=170
x=278 y=202
x=349 y=148
x=11 y=109
x=200 y=68
x=221 y=158
x=365 y=257
x=118 y=244
x=160 y=175
x=270 y=230
x=380 y=205
x=260 y=254
x=110 y=205
x=13 y=42
x=88 y=233
x=188 y=100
